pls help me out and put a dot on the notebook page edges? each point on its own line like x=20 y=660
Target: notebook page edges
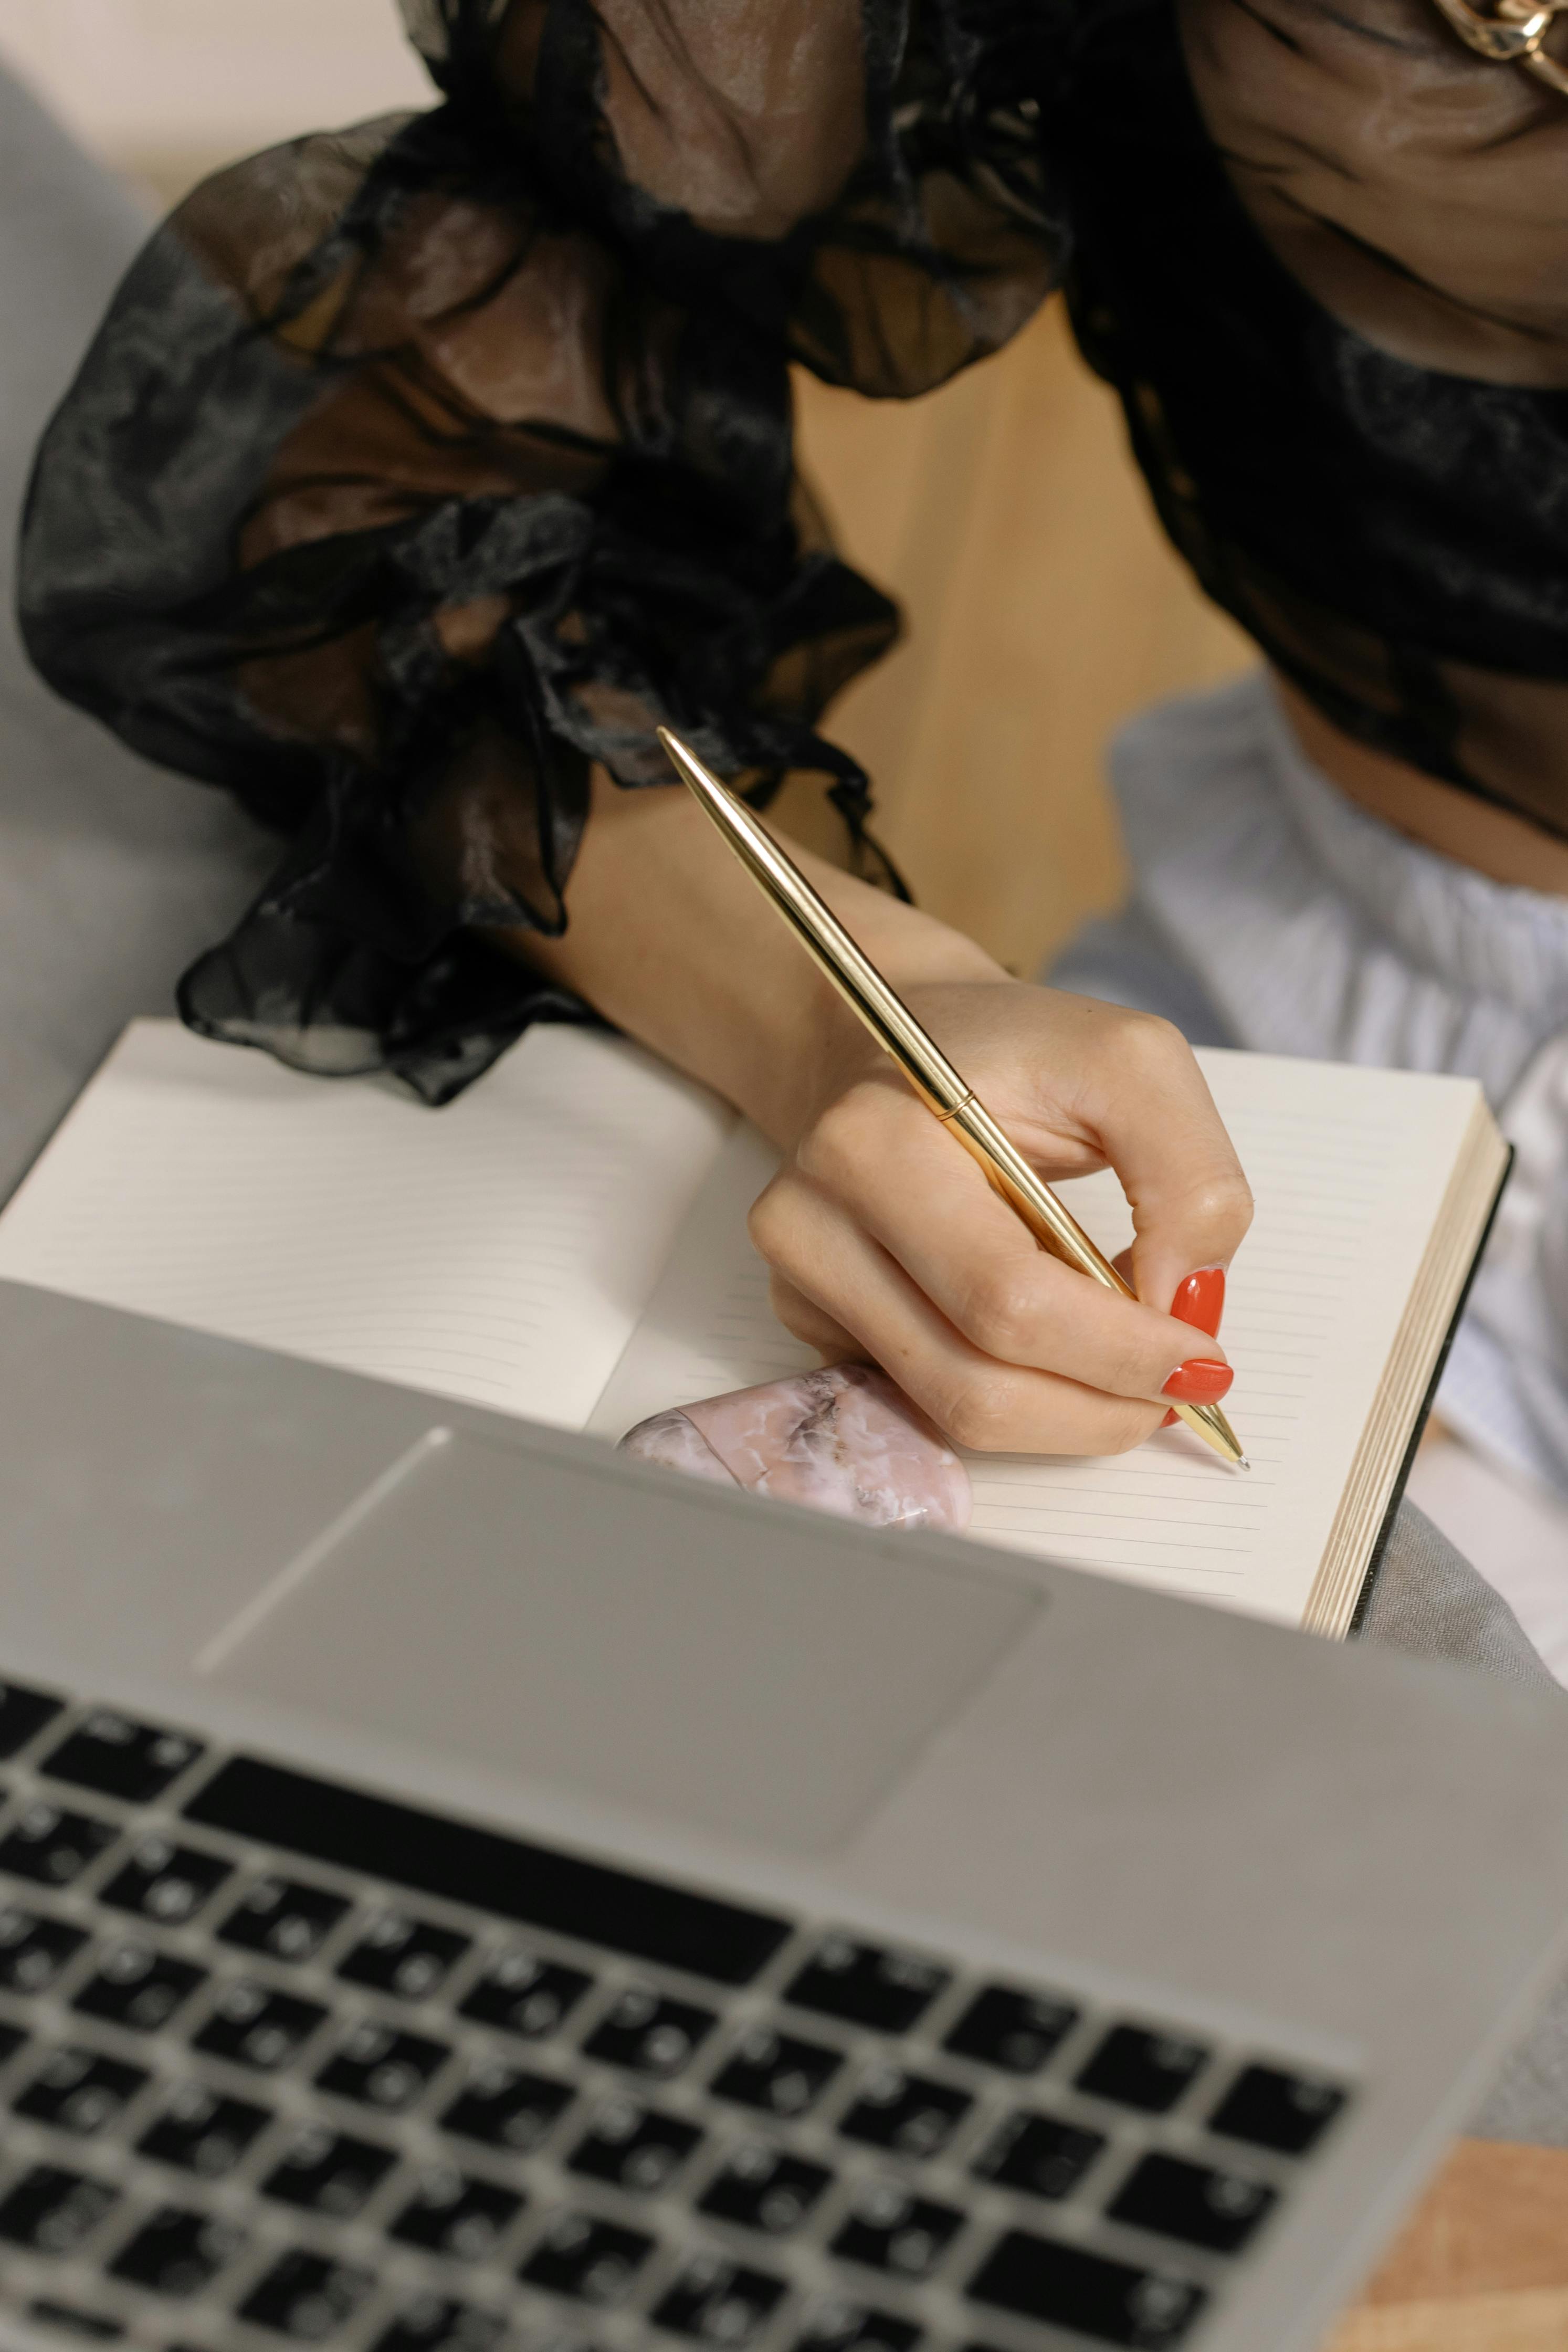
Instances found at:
x=499 y=1251
x=1350 y=1169
x=1434 y=1302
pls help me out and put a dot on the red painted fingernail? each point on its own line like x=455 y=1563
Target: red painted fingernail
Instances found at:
x=1200 y=1299
x=1202 y=1380
x=1170 y=1420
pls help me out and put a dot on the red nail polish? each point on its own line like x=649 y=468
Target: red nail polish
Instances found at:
x=1202 y=1380
x=1200 y=1299
x=1170 y=1420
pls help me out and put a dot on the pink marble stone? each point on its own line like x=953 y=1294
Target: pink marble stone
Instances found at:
x=843 y=1440
x=676 y=1443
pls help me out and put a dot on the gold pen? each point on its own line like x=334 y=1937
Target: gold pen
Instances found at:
x=918 y=1055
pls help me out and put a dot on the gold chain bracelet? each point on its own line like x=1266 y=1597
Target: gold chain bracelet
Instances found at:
x=1511 y=32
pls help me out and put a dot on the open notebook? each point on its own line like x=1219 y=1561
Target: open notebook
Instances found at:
x=567 y=1242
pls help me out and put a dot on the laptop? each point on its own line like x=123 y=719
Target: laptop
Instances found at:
x=463 y=1890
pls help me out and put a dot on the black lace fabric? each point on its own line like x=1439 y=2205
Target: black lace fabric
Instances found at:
x=419 y=470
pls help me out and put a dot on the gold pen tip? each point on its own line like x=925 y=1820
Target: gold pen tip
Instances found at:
x=688 y=767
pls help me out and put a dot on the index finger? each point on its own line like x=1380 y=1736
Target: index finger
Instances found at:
x=1148 y=1105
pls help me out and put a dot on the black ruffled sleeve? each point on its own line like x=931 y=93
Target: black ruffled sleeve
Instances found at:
x=418 y=468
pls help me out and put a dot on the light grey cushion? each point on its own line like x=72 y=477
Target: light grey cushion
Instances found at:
x=112 y=874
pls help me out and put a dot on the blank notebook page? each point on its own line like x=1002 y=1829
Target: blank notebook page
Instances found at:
x=1350 y=1170
x=499 y=1250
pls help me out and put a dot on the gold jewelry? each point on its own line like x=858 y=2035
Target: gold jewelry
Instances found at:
x=1511 y=32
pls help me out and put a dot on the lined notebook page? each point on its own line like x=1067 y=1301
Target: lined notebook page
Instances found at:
x=1349 y=1168
x=499 y=1251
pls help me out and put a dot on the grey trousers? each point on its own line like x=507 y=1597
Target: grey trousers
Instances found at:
x=114 y=876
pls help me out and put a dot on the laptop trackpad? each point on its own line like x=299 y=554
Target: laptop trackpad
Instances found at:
x=761 y=1675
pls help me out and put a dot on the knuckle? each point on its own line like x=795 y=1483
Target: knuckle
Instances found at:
x=770 y=1221
x=1153 y=1040
x=1224 y=1202
x=1001 y=1313
x=978 y=1414
x=840 y=1139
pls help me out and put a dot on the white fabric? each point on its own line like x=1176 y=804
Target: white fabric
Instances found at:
x=1317 y=930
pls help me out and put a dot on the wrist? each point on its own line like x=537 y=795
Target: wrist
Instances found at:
x=673 y=943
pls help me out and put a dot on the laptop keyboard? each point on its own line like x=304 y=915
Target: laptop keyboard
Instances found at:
x=286 y=2063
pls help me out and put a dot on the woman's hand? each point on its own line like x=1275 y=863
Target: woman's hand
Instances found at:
x=884 y=1239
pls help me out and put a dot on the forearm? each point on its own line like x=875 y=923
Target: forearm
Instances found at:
x=669 y=939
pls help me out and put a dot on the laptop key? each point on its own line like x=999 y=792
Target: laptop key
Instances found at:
x=762 y=2189
x=593 y=2260
x=435 y=2323
x=306 y=2296
x=133 y=1761
x=284 y=1919
x=500 y=2106
x=836 y=2326
x=532 y=1886
x=905 y=2111
x=81 y=2327
x=167 y=1883
x=1270 y=2108
x=454 y=2215
x=80 y=2090
x=525 y=1996
x=324 y=2171
x=1068 y=2286
x=34 y=1952
x=23 y=1715
x=1142 y=2070
x=719 y=2300
x=649 y=2034
x=51 y=2210
x=254 y=2026
x=634 y=2148
x=408 y=1957
x=1203 y=2207
x=138 y=1988
x=52 y=1847
x=1038 y=2154
x=177 y=2253
x=1015 y=2031
x=865 y=1985
x=887 y=2229
x=776 y=2072
x=378 y=2066
x=202 y=2131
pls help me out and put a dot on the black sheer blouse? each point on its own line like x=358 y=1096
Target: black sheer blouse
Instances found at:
x=419 y=469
